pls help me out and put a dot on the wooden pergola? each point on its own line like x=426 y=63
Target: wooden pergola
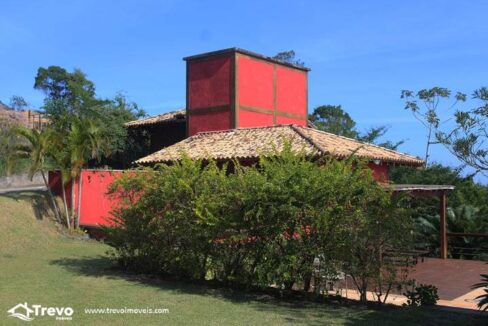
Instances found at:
x=440 y=191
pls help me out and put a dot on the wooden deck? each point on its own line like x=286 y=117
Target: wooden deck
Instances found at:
x=453 y=277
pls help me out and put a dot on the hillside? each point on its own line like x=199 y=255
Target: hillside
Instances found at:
x=26 y=118
x=26 y=222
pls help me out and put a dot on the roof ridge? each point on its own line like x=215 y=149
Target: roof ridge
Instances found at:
x=241 y=129
x=307 y=138
x=362 y=142
x=157 y=115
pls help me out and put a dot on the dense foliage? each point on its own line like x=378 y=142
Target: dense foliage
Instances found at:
x=467 y=210
x=259 y=226
x=83 y=131
x=71 y=96
x=422 y=295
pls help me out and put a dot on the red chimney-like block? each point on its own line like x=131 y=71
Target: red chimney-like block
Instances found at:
x=235 y=88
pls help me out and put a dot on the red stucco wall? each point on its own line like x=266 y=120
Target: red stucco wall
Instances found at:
x=380 y=172
x=240 y=90
x=209 y=83
x=96 y=205
x=211 y=121
x=287 y=120
x=274 y=94
x=255 y=82
x=209 y=93
x=291 y=92
x=248 y=119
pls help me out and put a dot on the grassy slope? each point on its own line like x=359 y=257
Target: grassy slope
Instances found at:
x=38 y=265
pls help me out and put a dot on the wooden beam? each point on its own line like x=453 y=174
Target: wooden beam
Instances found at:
x=462 y=234
x=442 y=225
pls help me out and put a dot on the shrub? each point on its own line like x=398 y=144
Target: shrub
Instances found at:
x=255 y=225
x=422 y=295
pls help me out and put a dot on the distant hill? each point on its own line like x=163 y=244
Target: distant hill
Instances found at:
x=10 y=116
x=4 y=106
x=26 y=118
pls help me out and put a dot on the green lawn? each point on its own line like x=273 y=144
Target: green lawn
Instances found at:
x=38 y=265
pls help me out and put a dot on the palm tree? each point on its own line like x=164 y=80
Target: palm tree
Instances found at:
x=85 y=140
x=483 y=297
x=460 y=219
x=36 y=150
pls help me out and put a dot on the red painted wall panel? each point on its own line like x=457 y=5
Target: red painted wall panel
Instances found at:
x=286 y=120
x=255 y=82
x=211 y=121
x=380 y=172
x=209 y=83
x=96 y=205
x=291 y=92
x=209 y=86
x=249 y=119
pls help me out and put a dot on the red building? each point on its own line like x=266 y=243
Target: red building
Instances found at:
x=234 y=88
x=239 y=104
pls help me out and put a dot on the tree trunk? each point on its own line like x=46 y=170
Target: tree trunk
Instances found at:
x=51 y=196
x=306 y=282
x=427 y=147
x=65 y=204
x=79 y=203
x=72 y=210
x=363 y=298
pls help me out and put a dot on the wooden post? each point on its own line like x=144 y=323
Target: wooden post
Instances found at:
x=442 y=226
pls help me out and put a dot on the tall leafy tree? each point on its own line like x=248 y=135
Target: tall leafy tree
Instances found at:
x=333 y=119
x=72 y=94
x=71 y=152
x=426 y=106
x=468 y=140
x=72 y=88
x=17 y=102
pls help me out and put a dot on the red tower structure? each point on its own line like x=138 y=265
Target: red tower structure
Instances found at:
x=235 y=88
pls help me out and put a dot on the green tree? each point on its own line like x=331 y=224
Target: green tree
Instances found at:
x=17 y=102
x=36 y=150
x=468 y=138
x=466 y=193
x=85 y=140
x=425 y=106
x=333 y=119
x=289 y=57
x=71 y=94
x=73 y=89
